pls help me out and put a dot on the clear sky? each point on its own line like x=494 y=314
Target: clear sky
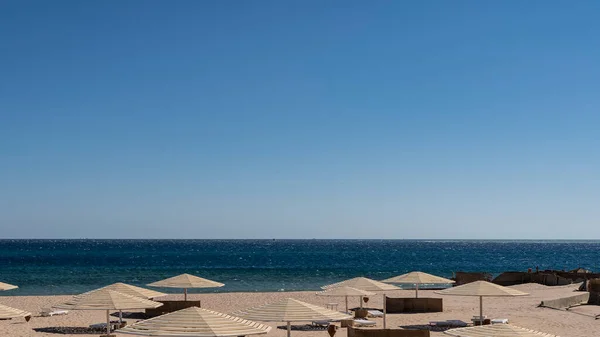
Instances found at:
x=300 y=119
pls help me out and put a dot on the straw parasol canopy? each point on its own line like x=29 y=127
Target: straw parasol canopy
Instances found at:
x=367 y=284
x=8 y=312
x=186 y=281
x=6 y=286
x=196 y=322
x=345 y=291
x=128 y=289
x=363 y=283
x=416 y=278
x=481 y=289
x=290 y=310
x=105 y=299
x=496 y=330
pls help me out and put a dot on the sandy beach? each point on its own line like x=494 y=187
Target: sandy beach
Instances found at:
x=521 y=311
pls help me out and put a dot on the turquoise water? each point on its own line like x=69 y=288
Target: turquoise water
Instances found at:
x=42 y=267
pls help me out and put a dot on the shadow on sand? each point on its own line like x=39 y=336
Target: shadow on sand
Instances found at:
x=71 y=330
x=304 y=327
x=427 y=327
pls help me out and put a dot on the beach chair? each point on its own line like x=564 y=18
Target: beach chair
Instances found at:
x=49 y=312
x=375 y=313
x=480 y=320
x=485 y=321
x=500 y=321
x=364 y=322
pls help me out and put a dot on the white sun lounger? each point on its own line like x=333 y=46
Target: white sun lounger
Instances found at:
x=49 y=312
x=375 y=313
x=364 y=322
x=499 y=321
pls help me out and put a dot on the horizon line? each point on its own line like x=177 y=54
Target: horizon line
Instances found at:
x=293 y=239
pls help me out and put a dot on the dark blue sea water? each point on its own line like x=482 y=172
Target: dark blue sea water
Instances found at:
x=73 y=266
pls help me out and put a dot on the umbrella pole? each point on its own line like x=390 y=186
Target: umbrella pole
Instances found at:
x=361 y=301
x=417 y=295
x=185 y=294
x=289 y=329
x=107 y=323
x=384 y=311
x=346 y=303
x=121 y=316
x=480 y=310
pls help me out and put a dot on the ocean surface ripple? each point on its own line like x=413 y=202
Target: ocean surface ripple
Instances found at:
x=42 y=267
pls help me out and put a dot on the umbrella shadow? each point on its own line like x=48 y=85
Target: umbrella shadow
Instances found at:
x=131 y=315
x=70 y=330
x=303 y=327
x=426 y=327
x=365 y=308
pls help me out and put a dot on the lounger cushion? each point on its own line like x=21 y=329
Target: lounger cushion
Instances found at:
x=364 y=322
x=375 y=313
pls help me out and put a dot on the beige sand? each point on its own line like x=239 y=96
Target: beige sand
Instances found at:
x=521 y=311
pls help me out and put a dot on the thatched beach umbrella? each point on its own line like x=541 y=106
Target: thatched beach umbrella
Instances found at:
x=481 y=289
x=367 y=284
x=6 y=286
x=196 y=322
x=186 y=281
x=345 y=291
x=290 y=310
x=495 y=330
x=104 y=299
x=417 y=278
x=362 y=283
x=128 y=289
x=8 y=312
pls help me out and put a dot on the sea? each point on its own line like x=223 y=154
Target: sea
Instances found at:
x=55 y=267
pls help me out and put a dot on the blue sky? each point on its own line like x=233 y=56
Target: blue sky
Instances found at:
x=300 y=119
